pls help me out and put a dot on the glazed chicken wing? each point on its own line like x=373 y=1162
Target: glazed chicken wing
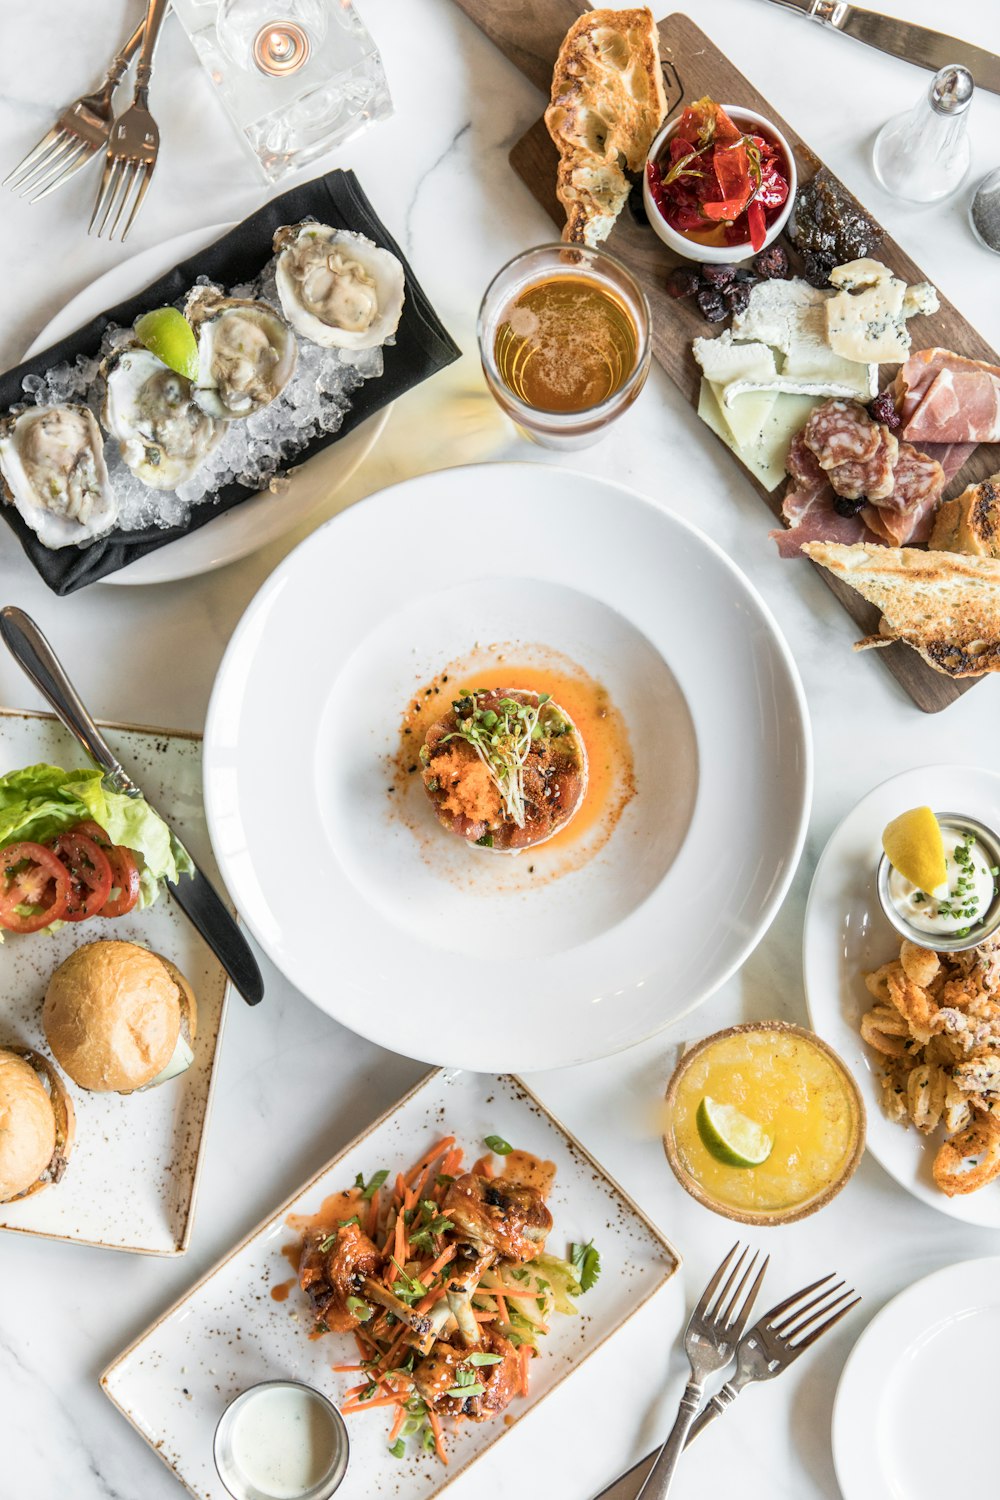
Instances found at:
x=491 y=1213
x=330 y=1273
x=438 y=1374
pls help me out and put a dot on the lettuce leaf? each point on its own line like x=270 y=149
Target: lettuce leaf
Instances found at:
x=42 y=801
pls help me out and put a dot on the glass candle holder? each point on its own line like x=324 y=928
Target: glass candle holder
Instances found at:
x=564 y=340
x=296 y=77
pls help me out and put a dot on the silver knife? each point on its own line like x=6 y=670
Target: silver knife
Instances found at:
x=915 y=44
x=195 y=895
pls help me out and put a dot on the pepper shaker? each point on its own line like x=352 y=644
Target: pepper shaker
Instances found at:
x=923 y=154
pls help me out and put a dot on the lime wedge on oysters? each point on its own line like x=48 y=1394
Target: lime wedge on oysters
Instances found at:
x=731 y=1136
x=166 y=333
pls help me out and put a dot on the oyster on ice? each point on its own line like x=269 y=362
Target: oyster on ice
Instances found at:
x=246 y=352
x=338 y=288
x=53 y=469
x=162 y=433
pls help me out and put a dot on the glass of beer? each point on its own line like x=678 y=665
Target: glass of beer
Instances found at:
x=564 y=340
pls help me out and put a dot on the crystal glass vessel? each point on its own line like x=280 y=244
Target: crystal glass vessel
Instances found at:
x=296 y=77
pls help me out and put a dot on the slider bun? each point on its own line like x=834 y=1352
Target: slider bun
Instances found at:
x=36 y=1125
x=112 y=1015
x=188 y=1002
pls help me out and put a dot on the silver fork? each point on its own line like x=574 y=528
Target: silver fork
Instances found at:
x=778 y=1339
x=133 y=143
x=709 y=1343
x=80 y=132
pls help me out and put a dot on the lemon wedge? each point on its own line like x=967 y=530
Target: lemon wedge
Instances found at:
x=166 y=333
x=730 y=1136
x=915 y=848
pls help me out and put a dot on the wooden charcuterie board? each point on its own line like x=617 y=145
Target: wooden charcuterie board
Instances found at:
x=694 y=66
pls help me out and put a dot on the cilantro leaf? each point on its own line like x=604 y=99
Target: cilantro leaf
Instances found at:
x=586 y=1263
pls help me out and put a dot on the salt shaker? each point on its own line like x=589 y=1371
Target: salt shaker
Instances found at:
x=923 y=154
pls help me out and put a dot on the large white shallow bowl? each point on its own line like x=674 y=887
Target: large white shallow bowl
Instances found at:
x=422 y=944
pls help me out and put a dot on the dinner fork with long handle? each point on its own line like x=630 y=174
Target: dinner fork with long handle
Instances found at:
x=713 y=1332
x=80 y=132
x=133 y=144
x=778 y=1339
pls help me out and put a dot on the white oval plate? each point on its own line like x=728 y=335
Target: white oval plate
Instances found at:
x=846 y=934
x=361 y=914
x=915 y=1413
x=257 y=521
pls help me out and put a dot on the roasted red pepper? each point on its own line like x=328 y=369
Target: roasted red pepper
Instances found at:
x=714 y=177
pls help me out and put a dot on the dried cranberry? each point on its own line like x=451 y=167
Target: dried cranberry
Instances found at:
x=712 y=304
x=737 y=297
x=772 y=263
x=683 y=282
x=720 y=275
x=845 y=507
x=883 y=409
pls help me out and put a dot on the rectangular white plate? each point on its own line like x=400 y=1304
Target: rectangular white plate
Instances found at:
x=132 y=1175
x=228 y=1333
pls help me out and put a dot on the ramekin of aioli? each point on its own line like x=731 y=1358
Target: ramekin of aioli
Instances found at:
x=281 y=1440
x=962 y=912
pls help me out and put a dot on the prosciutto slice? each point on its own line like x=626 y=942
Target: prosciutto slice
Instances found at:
x=808 y=507
x=945 y=398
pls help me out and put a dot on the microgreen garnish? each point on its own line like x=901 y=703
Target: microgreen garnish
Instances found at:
x=502 y=738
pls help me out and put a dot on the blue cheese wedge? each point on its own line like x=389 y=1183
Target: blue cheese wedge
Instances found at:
x=791 y=317
x=866 y=317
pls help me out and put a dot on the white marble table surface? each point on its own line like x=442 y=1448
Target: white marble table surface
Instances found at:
x=293 y=1085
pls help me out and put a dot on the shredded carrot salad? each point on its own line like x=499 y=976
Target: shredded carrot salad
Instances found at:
x=442 y=1278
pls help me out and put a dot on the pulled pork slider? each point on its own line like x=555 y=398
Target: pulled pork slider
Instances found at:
x=119 y=1018
x=36 y=1123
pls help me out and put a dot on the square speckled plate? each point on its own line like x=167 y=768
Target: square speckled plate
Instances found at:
x=227 y=1333
x=131 y=1179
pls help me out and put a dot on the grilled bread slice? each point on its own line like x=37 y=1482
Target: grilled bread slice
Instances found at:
x=946 y=605
x=607 y=104
x=971 y=523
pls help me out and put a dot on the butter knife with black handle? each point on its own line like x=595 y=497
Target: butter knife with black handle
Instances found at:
x=903 y=39
x=195 y=895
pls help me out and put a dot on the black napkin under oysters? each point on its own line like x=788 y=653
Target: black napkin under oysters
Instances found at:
x=422 y=347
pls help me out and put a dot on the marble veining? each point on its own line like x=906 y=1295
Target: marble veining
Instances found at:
x=293 y=1086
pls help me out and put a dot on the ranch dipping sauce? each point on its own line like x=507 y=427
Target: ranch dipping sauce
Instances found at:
x=281 y=1441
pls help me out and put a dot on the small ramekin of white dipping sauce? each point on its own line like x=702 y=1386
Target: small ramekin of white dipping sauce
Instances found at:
x=281 y=1441
x=964 y=911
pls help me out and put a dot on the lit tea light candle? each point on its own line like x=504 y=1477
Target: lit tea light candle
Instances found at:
x=280 y=48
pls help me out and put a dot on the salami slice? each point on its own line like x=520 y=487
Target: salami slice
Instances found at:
x=871 y=478
x=802 y=464
x=839 y=432
x=919 y=479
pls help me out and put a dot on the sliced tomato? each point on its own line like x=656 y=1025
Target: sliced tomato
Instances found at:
x=90 y=874
x=124 y=871
x=31 y=875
